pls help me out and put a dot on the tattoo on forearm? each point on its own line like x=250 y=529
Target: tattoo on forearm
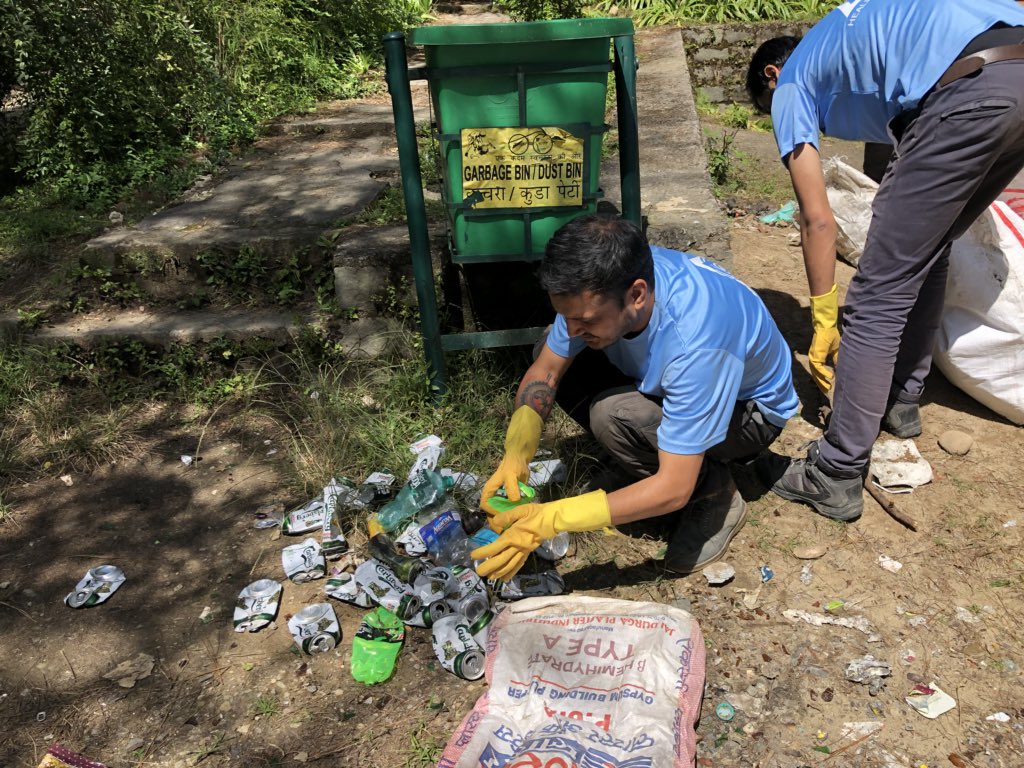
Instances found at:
x=540 y=396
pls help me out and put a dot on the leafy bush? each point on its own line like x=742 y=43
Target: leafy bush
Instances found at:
x=537 y=10
x=119 y=92
x=649 y=13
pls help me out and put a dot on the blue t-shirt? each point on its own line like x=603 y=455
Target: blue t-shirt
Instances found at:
x=710 y=343
x=868 y=60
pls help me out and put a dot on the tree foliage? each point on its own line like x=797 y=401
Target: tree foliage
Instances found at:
x=116 y=91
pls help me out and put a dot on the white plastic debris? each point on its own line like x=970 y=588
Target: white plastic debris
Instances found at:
x=999 y=717
x=869 y=671
x=1010 y=524
x=930 y=700
x=186 y=460
x=718 y=573
x=547 y=471
x=806 y=575
x=898 y=466
x=821 y=619
x=964 y=615
x=892 y=566
x=66 y=479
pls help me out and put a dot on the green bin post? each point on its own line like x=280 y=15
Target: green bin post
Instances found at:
x=520 y=118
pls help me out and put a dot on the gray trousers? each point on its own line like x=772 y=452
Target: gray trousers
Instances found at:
x=952 y=161
x=625 y=422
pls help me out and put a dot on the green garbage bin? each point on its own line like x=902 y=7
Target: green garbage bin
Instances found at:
x=519 y=112
x=520 y=118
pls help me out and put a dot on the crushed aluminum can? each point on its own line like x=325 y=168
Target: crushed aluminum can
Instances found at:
x=472 y=606
x=315 y=628
x=304 y=561
x=466 y=582
x=481 y=628
x=266 y=522
x=344 y=587
x=456 y=649
x=411 y=540
x=386 y=589
x=554 y=548
x=96 y=586
x=309 y=517
x=434 y=584
x=430 y=614
x=330 y=531
x=427 y=451
x=531 y=585
x=376 y=489
x=257 y=605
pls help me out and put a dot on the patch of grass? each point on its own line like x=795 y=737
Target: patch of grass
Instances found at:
x=208 y=749
x=721 y=160
x=388 y=208
x=705 y=107
x=423 y=751
x=737 y=115
x=266 y=706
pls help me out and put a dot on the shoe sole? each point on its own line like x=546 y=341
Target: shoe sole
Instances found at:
x=912 y=430
x=720 y=554
x=828 y=512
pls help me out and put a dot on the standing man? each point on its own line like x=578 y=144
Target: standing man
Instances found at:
x=943 y=80
x=675 y=367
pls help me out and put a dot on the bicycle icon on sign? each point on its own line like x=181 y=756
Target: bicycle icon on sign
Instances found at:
x=541 y=143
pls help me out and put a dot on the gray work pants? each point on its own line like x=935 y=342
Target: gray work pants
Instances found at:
x=952 y=161
x=605 y=401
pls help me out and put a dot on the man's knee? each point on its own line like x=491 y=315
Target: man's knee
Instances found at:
x=622 y=415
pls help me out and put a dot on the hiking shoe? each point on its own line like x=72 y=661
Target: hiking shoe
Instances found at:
x=706 y=526
x=902 y=420
x=837 y=498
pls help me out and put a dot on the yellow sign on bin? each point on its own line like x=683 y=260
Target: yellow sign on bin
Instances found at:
x=521 y=168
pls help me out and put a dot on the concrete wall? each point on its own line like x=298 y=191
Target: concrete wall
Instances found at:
x=719 y=55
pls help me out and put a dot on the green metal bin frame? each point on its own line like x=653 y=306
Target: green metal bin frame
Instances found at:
x=399 y=75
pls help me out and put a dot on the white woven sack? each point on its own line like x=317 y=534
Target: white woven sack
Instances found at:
x=980 y=346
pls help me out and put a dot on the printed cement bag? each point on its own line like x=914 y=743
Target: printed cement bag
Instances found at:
x=980 y=345
x=850 y=194
x=588 y=682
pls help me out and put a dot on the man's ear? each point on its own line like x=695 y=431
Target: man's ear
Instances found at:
x=636 y=294
x=771 y=73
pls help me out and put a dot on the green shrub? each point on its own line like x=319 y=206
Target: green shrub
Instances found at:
x=538 y=10
x=120 y=93
x=648 y=13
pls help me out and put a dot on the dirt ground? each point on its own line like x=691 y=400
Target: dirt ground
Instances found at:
x=184 y=536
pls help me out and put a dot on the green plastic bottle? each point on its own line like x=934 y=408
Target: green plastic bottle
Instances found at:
x=376 y=645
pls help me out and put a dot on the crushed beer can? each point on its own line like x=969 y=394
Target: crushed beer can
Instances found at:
x=456 y=649
x=309 y=517
x=333 y=539
x=466 y=582
x=430 y=613
x=304 y=561
x=315 y=628
x=554 y=548
x=481 y=628
x=376 y=489
x=434 y=584
x=427 y=451
x=387 y=590
x=472 y=606
x=96 y=586
x=344 y=587
x=531 y=585
x=257 y=605
x=411 y=540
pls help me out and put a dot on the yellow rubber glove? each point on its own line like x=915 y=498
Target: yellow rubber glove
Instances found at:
x=521 y=441
x=825 y=343
x=524 y=528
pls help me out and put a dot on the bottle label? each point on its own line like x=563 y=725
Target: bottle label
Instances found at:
x=438 y=532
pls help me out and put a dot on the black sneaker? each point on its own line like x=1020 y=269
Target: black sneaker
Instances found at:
x=837 y=498
x=902 y=420
x=706 y=526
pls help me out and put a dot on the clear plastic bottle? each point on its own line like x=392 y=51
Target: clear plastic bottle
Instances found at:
x=445 y=539
x=422 y=492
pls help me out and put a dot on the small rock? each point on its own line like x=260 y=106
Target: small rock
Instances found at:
x=301 y=757
x=812 y=552
x=683 y=604
x=134 y=744
x=718 y=573
x=67 y=480
x=955 y=442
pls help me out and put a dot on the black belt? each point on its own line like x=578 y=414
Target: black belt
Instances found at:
x=971 y=64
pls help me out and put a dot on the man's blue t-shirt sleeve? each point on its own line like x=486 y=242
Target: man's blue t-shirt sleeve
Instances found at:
x=794 y=118
x=700 y=392
x=559 y=341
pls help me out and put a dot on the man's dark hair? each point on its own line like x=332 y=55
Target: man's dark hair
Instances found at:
x=601 y=254
x=772 y=52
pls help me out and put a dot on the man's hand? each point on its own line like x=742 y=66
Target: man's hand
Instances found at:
x=524 y=528
x=825 y=343
x=521 y=441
